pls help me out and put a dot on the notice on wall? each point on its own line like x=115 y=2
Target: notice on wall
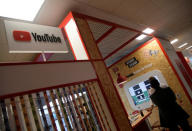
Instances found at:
x=131 y=62
x=33 y=38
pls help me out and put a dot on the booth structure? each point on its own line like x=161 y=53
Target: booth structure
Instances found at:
x=152 y=61
x=83 y=94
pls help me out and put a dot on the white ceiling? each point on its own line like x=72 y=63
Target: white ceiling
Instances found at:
x=169 y=18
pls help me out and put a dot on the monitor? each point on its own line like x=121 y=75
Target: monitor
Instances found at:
x=139 y=92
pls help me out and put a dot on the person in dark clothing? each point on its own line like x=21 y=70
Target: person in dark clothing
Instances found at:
x=170 y=113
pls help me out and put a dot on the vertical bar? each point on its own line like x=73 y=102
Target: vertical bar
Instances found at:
x=44 y=57
x=77 y=108
x=100 y=105
x=4 y=111
x=91 y=115
x=38 y=111
x=68 y=109
x=37 y=122
x=2 y=125
x=10 y=115
x=63 y=110
x=93 y=98
x=93 y=109
x=69 y=98
x=42 y=111
x=49 y=110
x=18 y=127
x=83 y=110
x=29 y=113
x=25 y=113
x=20 y=113
x=56 y=110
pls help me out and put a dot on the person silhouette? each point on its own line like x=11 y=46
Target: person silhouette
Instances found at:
x=171 y=114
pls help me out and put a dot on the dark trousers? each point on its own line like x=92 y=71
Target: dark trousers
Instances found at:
x=184 y=124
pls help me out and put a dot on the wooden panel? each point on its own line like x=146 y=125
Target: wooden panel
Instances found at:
x=65 y=108
x=146 y=55
x=116 y=108
x=96 y=96
x=97 y=107
x=92 y=107
x=109 y=91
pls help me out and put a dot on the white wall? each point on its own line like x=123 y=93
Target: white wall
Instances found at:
x=19 y=78
x=173 y=57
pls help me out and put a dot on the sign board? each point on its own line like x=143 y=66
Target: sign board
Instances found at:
x=33 y=38
x=132 y=62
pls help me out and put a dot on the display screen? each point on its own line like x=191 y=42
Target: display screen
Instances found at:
x=139 y=92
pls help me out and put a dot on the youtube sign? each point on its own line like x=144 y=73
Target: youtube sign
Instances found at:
x=33 y=38
x=21 y=36
x=26 y=36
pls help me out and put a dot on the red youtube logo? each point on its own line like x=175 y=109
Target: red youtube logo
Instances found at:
x=21 y=35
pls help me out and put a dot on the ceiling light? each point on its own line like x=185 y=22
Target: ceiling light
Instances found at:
x=148 y=31
x=174 y=41
x=188 y=47
x=182 y=45
x=20 y=9
x=140 y=37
